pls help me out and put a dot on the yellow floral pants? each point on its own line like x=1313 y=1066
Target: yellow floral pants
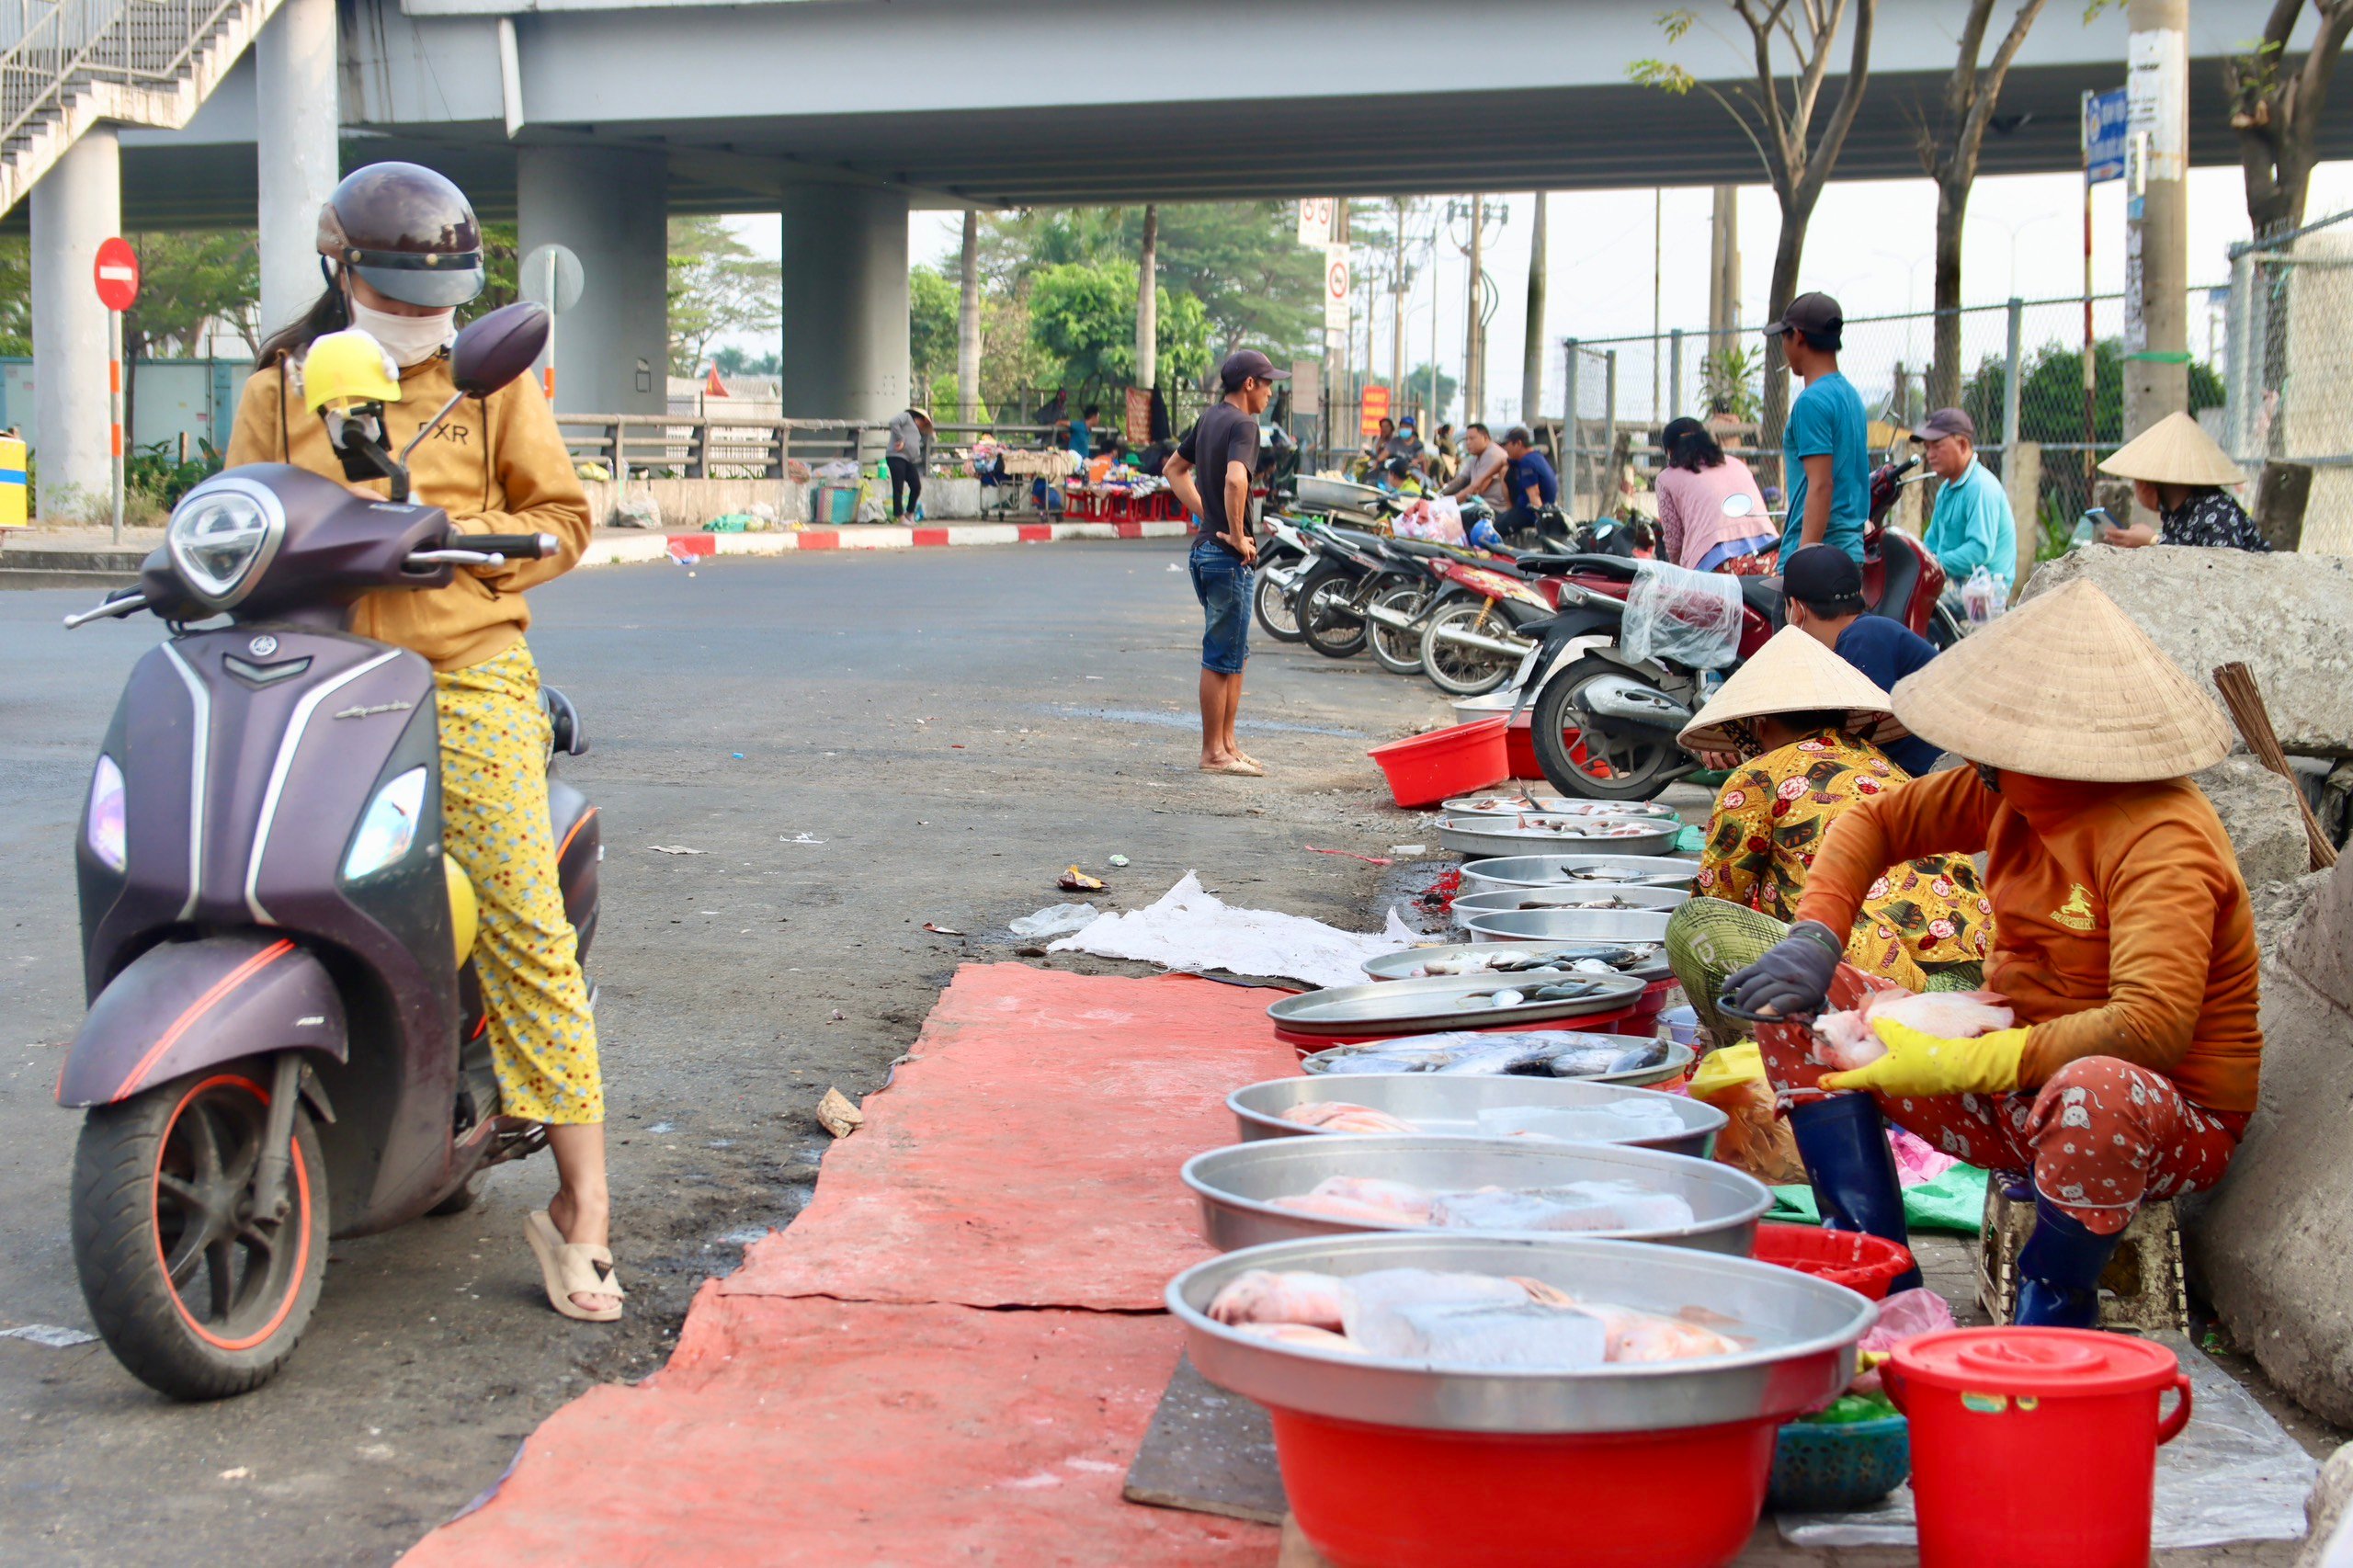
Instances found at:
x=495 y=824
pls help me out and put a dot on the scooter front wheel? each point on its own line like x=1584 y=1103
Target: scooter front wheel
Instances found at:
x=198 y=1295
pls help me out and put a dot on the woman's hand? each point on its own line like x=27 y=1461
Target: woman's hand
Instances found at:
x=2132 y=538
x=1794 y=975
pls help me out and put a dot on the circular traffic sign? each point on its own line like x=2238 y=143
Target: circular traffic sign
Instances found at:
x=551 y=276
x=118 y=274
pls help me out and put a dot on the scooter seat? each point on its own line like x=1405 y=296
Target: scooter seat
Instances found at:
x=1890 y=579
x=1764 y=595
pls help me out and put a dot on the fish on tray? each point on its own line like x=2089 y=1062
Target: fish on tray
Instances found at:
x=1603 y=1205
x=1339 y=1115
x=1588 y=827
x=1536 y=1054
x=1508 y=958
x=1362 y=1201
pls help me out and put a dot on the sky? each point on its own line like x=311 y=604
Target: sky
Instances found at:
x=1870 y=244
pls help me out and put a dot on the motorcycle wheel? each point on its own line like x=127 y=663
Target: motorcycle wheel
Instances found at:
x=1463 y=671
x=196 y=1298
x=1612 y=769
x=1400 y=653
x=1327 y=619
x=1273 y=608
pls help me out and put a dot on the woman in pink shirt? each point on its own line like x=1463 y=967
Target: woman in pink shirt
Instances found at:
x=1712 y=516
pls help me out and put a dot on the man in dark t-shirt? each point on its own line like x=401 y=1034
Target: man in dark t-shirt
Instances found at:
x=1223 y=449
x=1825 y=591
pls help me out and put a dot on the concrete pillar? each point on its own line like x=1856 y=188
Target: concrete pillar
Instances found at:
x=845 y=302
x=2157 y=257
x=613 y=349
x=967 y=322
x=77 y=204
x=298 y=121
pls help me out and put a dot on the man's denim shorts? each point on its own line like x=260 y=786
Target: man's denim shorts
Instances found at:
x=1221 y=581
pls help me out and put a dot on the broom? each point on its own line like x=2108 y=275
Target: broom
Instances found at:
x=2236 y=683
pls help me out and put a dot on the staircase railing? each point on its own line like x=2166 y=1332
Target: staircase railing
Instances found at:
x=60 y=48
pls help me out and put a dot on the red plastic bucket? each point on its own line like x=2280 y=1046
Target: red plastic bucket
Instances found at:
x=1425 y=769
x=1865 y=1265
x=1997 y=1412
x=1394 y=1498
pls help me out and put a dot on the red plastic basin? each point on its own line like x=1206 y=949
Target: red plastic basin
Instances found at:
x=1865 y=1265
x=1425 y=769
x=1391 y=1497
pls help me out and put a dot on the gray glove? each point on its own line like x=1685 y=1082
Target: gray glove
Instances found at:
x=1793 y=977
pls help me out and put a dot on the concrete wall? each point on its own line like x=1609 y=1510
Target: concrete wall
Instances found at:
x=169 y=398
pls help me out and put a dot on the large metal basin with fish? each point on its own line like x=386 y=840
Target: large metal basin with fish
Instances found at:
x=1447 y=1002
x=1570 y=871
x=1443 y=1105
x=1396 y=1464
x=1568 y=925
x=1647 y=960
x=1661 y=1060
x=1503 y=803
x=1479 y=837
x=1237 y=1186
x=1469 y=906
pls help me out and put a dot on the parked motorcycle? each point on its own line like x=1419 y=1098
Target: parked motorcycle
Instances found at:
x=1284 y=556
x=284 y=1043
x=1473 y=641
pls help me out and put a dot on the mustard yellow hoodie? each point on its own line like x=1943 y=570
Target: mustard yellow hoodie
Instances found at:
x=496 y=465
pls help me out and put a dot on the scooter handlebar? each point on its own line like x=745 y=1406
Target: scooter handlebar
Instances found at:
x=122 y=601
x=514 y=547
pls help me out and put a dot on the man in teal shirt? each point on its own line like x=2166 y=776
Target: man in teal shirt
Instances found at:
x=1972 y=526
x=1825 y=456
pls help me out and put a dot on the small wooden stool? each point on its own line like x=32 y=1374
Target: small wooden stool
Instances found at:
x=2141 y=1291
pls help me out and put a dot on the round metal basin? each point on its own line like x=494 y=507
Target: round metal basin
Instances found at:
x=1799 y=1332
x=1237 y=1186
x=1479 y=837
x=1406 y=963
x=1573 y=870
x=1444 y=1002
x=1678 y=1061
x=1449 y=1105
x=1569 y=925
x=1502 y=804
x=1468 y=906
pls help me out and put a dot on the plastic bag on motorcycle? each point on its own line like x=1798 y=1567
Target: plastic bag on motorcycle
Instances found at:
x=1682 y=617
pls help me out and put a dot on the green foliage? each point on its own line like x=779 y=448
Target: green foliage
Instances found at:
x=2054 y=528
x=188 y=280
x=1084 y=317
x=16 y=296
x=733 y=362
x=932 y=302
x=2050 y=396
x=1417 y=392
x=718 y=286
x=1728 y=383
x=157 y=474
x=500 y=259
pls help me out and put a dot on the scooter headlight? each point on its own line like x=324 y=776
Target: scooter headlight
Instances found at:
x=108 y=832
x=221 y=536
x=388 y=831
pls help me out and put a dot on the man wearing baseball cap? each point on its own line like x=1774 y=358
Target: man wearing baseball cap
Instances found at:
x=1826 y=457
x=1972 y=525
x=1223 y=448
x=1825 y=593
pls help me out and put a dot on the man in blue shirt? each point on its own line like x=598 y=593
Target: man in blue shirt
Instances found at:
x=1533 y=483
x=1825 y=457
x=1972 y=525
x=1825 y=591
x=1082 y=432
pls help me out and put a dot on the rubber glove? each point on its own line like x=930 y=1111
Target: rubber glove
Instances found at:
x=1918 y=1064
x=1793 y=976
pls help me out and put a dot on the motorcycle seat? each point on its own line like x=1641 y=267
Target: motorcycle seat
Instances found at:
x=1358 y=538
x=570 y=736
x=1764 y=595
x=1896 y=578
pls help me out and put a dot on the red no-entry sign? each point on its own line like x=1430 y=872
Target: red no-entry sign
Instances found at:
x=118 y=274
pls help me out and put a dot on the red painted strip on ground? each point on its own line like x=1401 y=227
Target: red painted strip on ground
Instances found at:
x=931 y=536
x=684 y=545
x=821 y=538
x=1129 y=530
x=1034 y=533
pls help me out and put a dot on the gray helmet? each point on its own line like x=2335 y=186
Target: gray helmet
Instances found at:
x=408 y=231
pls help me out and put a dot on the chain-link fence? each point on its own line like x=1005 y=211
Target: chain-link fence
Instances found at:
x=2290 y=367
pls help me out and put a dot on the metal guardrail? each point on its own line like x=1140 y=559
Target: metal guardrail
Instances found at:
x=61 y=47
x=685 y=447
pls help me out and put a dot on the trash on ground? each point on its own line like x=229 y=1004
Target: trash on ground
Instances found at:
x=1056 y=920
x=1116 y=859
x=798 y=839
x=1191 y=928
x=737 y=754
x=1076 y=881
x=837 y=1116
x=675 y=849
x=838 y=1017
x=941 y=930
x=48 y=1334
x=1352 y=855
x=1408 y=851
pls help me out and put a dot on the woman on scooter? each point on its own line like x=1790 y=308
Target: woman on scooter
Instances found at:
x=401 y=250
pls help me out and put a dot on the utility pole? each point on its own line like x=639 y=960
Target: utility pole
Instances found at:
x=1474 y=347
x=1148 y=300
x=1659 y=240
x=2157 y=257
x=968 y=324
x=1723 y=269
x=1531 y=365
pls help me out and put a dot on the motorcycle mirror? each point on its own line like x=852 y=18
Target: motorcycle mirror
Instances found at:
x=498 y=348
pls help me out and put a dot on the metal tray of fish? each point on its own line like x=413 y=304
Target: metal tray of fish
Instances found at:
x=1503 y=803
x=1479 y=837
x=1600 y=896
x=1446 y=1105
x=1451 y=1002
x=1798 y=1333
x=1644 y=960
x=1237 y=1186
x=1536 y=1054
x=1570 y=871
x=1568 y=925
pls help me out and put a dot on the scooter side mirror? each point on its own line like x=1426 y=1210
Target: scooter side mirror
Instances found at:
x=498 y=348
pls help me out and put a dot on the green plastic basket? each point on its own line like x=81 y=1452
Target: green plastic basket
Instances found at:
x=1823 y=1468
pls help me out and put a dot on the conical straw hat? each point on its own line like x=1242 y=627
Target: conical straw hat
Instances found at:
x=2175 y=450
x=2067 y=686
x=1791 y=673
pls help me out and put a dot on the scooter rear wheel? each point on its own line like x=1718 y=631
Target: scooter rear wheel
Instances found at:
x=197 y=1296
x=1626 y=769
x=1272 y=604
x=1325 y=608
x=1400 y=652
x=1459 y=670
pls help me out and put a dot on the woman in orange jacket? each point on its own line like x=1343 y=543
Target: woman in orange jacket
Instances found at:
x=2122 y=938
x=401 y=250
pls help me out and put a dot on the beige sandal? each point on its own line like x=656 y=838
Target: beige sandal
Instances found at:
x=570 y=1268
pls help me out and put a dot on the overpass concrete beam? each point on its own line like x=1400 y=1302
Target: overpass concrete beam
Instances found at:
x=611 y=207
x=298 y=125
x=77 y=204
x=844 y=347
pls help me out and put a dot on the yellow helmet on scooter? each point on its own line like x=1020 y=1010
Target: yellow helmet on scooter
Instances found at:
x=347 y=368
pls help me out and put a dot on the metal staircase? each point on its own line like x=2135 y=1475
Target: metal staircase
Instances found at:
x=69 y=64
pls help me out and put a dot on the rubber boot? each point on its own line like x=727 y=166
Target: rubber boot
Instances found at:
x=2059 y=1270
x=1843 y=1141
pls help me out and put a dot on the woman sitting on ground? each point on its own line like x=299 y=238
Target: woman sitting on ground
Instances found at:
x=1799 y=716
x=1712 y=516
x=2178 y=471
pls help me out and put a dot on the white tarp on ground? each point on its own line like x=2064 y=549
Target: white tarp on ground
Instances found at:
x=1191 y=928
x=2233 y=1474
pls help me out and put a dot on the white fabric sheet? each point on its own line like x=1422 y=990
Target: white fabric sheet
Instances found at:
x=1192 y=929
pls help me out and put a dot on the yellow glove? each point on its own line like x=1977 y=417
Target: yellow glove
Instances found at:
x=1918 y=1064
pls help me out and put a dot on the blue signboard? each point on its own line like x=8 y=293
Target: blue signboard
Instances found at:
x=2105 y=116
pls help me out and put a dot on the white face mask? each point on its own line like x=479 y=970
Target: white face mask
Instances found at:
x=410 y=340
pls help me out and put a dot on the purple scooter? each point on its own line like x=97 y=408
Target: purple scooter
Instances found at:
x=285 y=1041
